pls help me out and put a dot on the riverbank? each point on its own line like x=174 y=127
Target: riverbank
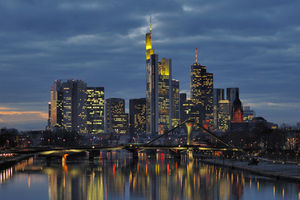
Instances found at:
x=14 y=160
x=263 y=168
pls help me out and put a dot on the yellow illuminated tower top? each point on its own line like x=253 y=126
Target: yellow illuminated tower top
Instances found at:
x=149 y=50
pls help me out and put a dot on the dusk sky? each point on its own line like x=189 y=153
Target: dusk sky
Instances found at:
x=253 y=45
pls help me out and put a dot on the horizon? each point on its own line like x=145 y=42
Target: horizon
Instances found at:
x=44 y=43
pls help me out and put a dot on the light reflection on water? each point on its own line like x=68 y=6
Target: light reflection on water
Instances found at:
x=115 y=175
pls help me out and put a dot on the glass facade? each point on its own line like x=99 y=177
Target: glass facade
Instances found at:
x=137 y=115
x=116 y=118
x=175 y=103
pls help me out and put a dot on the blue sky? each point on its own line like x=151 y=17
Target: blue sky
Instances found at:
x=253 y=45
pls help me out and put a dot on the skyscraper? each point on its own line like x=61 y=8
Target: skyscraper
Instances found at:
x=201 y=93
x=74 y=106
x=164 y=95
x=116 y=118
x=95 y=109
x=223 y=119
x=137 y=115
x=231 y=95
x=158 y=90
x=175 y=103
x=56 y=112
x=218 y=94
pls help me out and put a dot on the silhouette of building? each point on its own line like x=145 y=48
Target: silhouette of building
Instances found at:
x=218 y=94
x=182 y=101
x=231 y=95
x=95 y=109
x=137 y=115
x=237 y=110
x=116 y=118
x=175 y=103
x=248 y=114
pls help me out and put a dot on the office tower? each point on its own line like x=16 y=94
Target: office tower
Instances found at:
x=237 y=110
x=175 y=103
x=182 y=101
x=56 y=118
x=137 y=115
x=187 y=110
x=201 y=94
x=231 y=95
x=95 y=109
x=158 y=90
x=223 y=119
x=164 y=95
x=49 y=117
x=116 y=118
x=218 y=94
x=74 y=106
x=248 y=114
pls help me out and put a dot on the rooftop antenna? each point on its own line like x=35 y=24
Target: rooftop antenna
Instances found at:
x=196 y=56
x=150 y=24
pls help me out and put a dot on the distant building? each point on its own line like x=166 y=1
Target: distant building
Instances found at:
x=218 y=94
x=74 y=106
x=223 y=118
x=116 y=118
x=182 y=101
x=175 y=103
x=95 y=109
x=56 y=111
x=231 y=95
x=237 y=110
x=137 y=115
x=248 y=114
x=201 y=93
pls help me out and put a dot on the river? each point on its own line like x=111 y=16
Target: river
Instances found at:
x=116 y=175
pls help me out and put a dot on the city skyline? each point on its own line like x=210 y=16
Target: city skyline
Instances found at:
x=257 y=58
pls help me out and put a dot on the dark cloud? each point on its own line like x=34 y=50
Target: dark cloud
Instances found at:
x=253 y=45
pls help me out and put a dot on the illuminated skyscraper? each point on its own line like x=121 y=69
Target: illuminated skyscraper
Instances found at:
x=164 y=95
x=223 y=115
x=95 y=109
x=74 y=106
x=218 y=94
x=56 y=112
x=116 y=118
x=248 y=114
x=175 y=103
x=158 y=90
x=201 y=93
x=137 y=115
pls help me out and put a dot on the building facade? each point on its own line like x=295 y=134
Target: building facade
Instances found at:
x=175 y=103
x=137 y=116
x=95 y=110
x=116 y=118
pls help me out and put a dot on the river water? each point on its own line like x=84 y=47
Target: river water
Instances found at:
x=116 y=175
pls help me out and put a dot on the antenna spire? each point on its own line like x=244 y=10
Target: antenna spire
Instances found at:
x=196 y=56
x=150 y=28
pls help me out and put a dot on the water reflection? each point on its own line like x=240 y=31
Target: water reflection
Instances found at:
x=115 y=175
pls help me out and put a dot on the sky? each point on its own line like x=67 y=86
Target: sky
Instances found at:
x=253 y=45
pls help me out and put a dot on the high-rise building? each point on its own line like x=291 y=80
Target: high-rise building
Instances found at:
x=218 y=94
x=95 y=109
x=116 y=118
x=158 y=90
x=56 y=116
x=182 y=101
x=175 y=103
x=164 y=95
x=74 y=106
x=137 y=115
x=201 y=94
x=223 y=118
x=231 y=95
